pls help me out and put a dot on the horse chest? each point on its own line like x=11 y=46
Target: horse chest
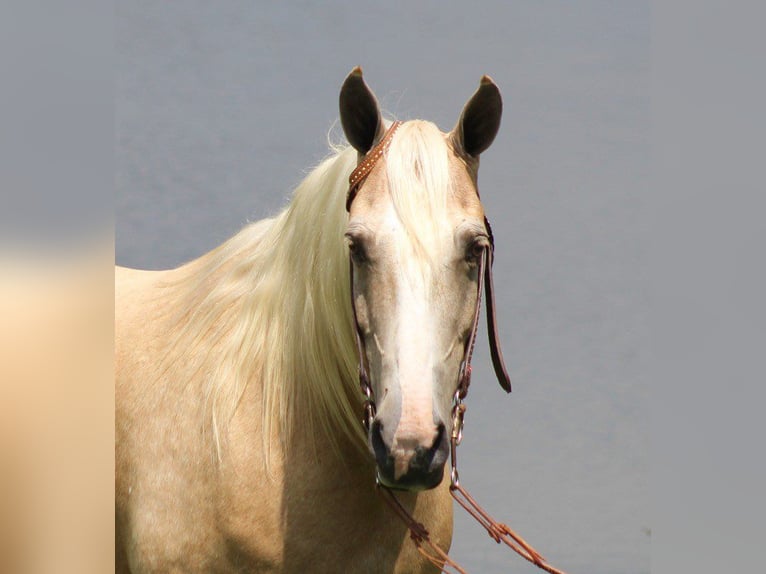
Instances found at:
x=315 y=515
x=338 y=536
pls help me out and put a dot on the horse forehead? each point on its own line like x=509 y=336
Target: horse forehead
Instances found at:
x=465 y=189
x=373 y=200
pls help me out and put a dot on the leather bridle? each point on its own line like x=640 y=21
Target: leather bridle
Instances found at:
x=356 y=179
x=419 y=534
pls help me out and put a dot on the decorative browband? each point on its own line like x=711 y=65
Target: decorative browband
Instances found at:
x=368 y=162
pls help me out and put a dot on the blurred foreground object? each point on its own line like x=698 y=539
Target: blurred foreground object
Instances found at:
x=56 y=411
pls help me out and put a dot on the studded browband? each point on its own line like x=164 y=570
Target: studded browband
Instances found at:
x=368 y=162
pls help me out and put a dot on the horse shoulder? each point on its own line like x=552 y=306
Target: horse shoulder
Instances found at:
x=161 y=474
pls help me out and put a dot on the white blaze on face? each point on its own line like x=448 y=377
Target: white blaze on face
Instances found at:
x=414 y=342
x=415 y=339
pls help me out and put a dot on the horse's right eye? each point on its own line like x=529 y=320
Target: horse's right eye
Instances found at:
x=357 y=251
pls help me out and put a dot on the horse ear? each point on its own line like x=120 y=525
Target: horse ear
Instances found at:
x=478 y=124
x=359 y=113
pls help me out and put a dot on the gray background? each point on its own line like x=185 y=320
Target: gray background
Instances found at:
x=221 y=108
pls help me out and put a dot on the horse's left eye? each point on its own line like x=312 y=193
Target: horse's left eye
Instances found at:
x=475 y=249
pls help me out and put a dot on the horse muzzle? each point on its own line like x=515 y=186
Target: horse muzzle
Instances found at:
x=410 y=466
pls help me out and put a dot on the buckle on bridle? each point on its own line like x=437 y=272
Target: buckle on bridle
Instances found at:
x=458 y=419
x=369 y=414
x=454 y=478
x=369 y=403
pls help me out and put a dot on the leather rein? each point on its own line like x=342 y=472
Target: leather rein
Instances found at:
x=418 y=533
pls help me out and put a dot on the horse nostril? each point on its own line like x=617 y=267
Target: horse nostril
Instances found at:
x=436 y=447
x=378 y=444
x=411 y=463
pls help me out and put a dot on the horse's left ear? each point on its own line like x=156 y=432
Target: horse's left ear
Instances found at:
x=359 y=113
x=478 y=124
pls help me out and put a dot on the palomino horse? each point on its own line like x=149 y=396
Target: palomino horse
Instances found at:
x=238 y=441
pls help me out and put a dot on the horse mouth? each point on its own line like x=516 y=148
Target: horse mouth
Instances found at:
x=413 y=481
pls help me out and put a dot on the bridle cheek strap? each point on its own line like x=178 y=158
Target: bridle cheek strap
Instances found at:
x=364 y=378
x=485 y=284
x=494 y=338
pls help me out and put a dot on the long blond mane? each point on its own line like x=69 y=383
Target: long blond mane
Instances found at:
x=272 y=304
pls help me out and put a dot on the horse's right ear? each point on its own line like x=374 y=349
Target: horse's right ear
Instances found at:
x=359 y=113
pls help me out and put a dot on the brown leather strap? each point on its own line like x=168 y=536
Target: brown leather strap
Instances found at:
x=419 y=535
x=355 y=180
x=364 y=378
x=370 y=159
x=485 y=281
x=464 y=374
x=494 y=338
x=499 y=531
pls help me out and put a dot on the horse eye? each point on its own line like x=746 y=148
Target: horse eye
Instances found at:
x=357 y=251
x=476 y=248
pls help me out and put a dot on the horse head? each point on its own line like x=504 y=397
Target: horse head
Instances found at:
x=418 y=244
